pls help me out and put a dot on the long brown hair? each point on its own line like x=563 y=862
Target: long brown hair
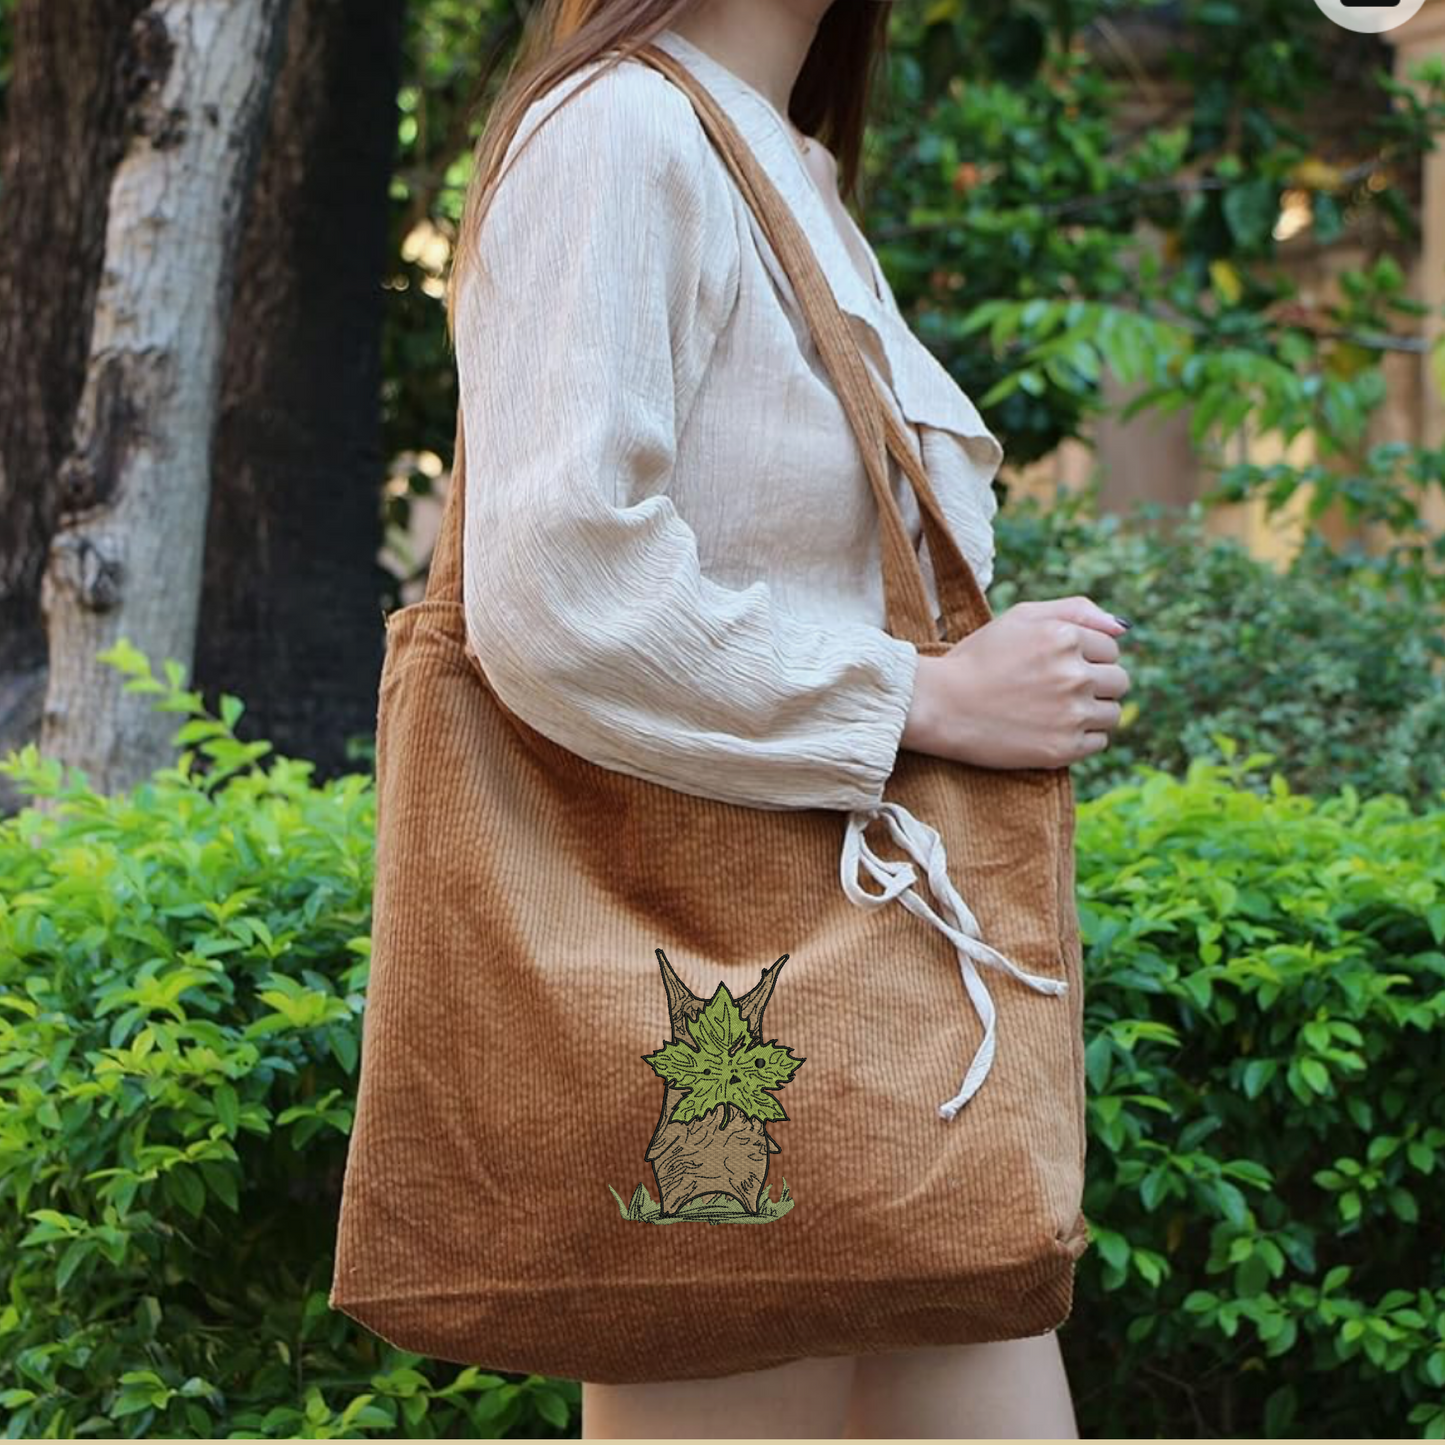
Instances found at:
x=831 y=100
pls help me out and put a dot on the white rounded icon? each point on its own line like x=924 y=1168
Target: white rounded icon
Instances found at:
x=1370 y=19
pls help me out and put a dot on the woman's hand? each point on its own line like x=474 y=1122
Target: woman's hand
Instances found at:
x=1036 y=687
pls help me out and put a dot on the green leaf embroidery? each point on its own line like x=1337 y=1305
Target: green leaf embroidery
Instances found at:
x=725 y=1067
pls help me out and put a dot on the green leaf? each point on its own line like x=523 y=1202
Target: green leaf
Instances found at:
x=76 y=1253
x=1252 y=1277
x=185 y=1187
x=725 y=1067
x=1098 y=1056
x=1279 y=1412
x=1404 y=1205
x=552 y=1407
x=1257 y=1073
x=1251 y=209
x=1236 y=1210
x=228 y=1107
x=1112 y=1246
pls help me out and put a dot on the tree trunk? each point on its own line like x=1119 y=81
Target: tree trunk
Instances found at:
x=126 y=560
x=292 y=590
x=74 y=67
x=694 y=1157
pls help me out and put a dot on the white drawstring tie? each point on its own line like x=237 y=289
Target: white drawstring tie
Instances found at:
x=925 y=847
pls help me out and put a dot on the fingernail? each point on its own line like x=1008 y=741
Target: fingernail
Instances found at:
x=1122 y=621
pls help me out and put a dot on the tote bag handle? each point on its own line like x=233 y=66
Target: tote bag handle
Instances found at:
x=909 y=614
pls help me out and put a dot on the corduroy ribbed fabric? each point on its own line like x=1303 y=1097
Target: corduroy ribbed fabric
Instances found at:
x=521 y=895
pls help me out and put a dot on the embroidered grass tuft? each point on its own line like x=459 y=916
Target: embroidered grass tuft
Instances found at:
x=705 y=1209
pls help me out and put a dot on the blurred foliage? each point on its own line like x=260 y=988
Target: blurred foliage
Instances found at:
x=182 y=969
x=1334 y=663
x=455 y=56
x=1032 y=154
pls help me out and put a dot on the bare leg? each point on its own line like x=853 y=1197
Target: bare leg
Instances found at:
x=1008 y=1390
x=806 y=1400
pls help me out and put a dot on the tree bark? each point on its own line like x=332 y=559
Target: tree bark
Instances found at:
x=292 y=591
x=126 y=560
x=74 y=68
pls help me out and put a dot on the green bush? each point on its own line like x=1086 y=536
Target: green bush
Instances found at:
x=1265 y=991
x=181 y=971
x=181 y=976
x=1335 y=665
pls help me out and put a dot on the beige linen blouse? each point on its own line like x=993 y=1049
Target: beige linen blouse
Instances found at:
x=672 y=561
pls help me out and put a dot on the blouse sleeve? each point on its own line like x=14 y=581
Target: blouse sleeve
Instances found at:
x=609 y=259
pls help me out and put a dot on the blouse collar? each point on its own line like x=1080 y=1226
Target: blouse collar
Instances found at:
x=771 y=141
x=925 y=391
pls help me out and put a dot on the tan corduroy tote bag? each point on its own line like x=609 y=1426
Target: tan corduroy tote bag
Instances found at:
x=565 y=1050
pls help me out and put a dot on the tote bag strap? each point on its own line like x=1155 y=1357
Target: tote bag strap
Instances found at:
x=961 y=601
x=909 y=615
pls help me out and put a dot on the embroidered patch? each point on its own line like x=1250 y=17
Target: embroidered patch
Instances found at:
x=709 y=1152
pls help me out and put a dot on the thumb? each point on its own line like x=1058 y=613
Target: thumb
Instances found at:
x=1086 y=613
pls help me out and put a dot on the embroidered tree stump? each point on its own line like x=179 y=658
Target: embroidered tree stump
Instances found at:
x=711 y=1137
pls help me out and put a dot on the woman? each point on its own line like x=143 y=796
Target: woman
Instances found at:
x=693 y=548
